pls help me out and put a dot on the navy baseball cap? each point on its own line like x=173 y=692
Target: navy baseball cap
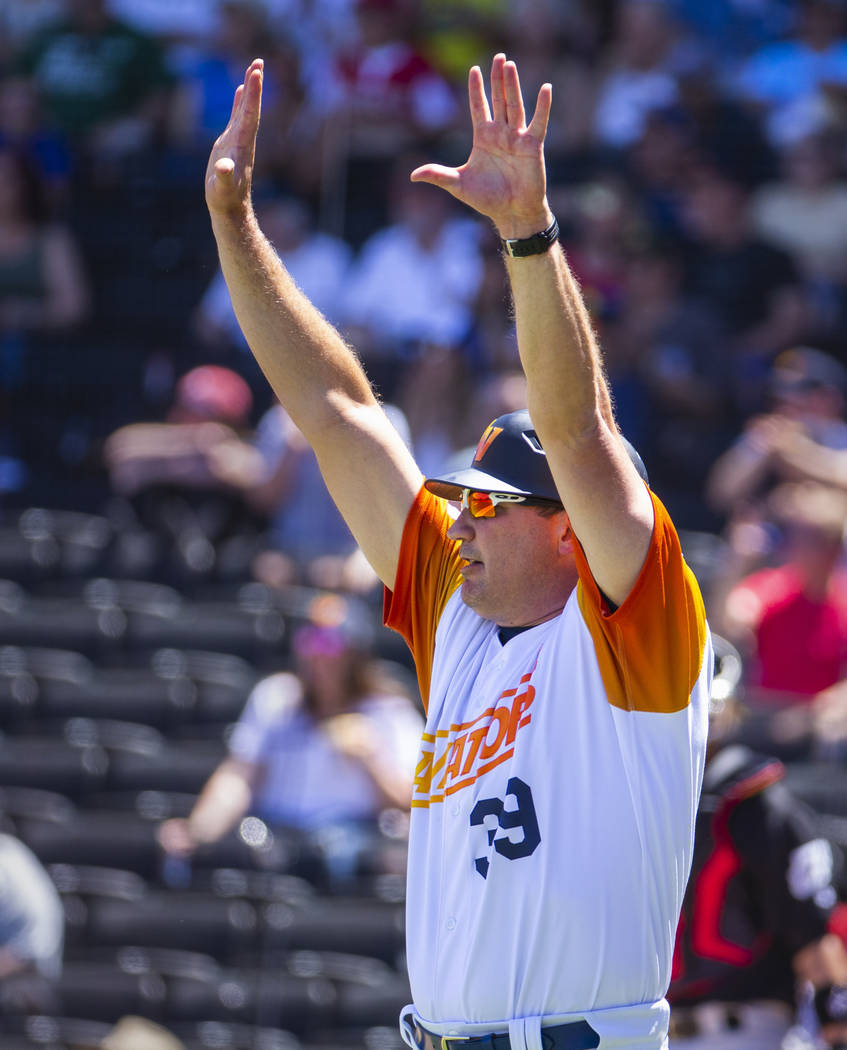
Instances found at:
x=509 y=458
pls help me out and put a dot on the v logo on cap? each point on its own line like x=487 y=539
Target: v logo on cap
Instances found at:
x=490 y=434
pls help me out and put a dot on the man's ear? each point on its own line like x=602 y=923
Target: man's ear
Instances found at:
x=566 y=537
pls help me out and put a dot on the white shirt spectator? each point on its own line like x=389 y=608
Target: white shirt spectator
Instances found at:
x=403 y=292
x=318 y=266
x=308 y=783
x=32 y=920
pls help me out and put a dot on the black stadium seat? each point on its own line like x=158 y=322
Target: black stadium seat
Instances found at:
x=183 y=768
x=51 y=765
x=194 y=922
x=376 y=928
x=54 y=1033
x=220 y=1035
x=104 y=839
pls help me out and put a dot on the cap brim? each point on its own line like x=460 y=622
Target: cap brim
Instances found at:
x=449 y=486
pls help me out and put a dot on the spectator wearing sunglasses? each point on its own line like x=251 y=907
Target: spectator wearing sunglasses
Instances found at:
x=560 y=641
x=318 y=752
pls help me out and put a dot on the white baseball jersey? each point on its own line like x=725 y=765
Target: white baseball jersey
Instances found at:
x=555 y=794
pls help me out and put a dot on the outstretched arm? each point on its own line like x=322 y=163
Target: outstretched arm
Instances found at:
x=316 y=376
x=505 y=179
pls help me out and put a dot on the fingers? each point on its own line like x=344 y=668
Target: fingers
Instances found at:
x=538 y=125
x=236 y=103
x=437 y=175
x=498 y=90
x=480 y=113
x=257 y=65
x=515 y=116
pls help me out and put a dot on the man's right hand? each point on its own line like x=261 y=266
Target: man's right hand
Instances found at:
x=229 y=173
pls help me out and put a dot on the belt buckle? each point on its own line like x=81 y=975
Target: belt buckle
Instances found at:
x=446 y=1040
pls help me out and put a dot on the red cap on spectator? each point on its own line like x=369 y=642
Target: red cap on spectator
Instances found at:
x=213 y=392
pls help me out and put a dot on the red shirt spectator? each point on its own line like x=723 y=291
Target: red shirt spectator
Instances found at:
x=801 y=639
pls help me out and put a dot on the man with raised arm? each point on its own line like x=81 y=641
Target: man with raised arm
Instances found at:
x=560 y=641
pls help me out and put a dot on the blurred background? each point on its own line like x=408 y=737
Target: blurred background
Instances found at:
x=188 y=634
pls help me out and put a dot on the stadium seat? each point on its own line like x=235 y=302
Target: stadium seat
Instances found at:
x=188 y=921
x=64 y=623
x=182 y=768
x=334 y=924
x=52 y=765
x=220 y=1035
x=54 y=1033
x=21 y=803
x=24 y=674
x=97 y=992
x=104 y=839
x=66 y=542
x=129 y=693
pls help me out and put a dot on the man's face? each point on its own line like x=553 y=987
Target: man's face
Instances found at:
x=519 y=567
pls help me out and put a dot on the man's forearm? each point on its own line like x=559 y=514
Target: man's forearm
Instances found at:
x=559 y=352
x=311 y=369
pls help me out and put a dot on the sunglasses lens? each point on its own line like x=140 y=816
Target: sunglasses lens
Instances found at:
x=481 y=505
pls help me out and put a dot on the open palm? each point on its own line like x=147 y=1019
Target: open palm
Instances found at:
x=504 y=176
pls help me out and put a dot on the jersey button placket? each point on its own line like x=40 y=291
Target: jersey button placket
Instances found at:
x=450 y=924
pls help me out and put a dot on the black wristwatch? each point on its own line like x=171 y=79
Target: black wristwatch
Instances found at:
x=537 y=244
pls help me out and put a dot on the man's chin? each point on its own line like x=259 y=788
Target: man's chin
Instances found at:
x=474 y=597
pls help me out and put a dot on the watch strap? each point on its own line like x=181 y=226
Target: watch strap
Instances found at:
x=537 y=244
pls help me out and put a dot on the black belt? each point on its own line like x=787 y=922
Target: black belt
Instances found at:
x=577 y=1035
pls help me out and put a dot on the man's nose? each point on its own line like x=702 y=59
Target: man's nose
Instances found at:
x=462 y=527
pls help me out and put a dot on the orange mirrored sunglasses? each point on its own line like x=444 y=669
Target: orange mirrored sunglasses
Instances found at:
x=484 y=504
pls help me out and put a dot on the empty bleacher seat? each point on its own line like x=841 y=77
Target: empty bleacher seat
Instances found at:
x=184 y=767
x=196 y=922
x=220 y=1035
x=104 y=839
x=334 y=924
x=53 y=765
x=54 y=1033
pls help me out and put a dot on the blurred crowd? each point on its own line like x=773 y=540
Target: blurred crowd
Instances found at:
x=698 y=167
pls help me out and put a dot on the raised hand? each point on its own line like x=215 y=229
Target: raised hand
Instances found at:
x=229 y=173
x=504 y=177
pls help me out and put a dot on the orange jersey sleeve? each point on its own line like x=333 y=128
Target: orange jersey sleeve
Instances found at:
x=650 y=649
x=427 y=574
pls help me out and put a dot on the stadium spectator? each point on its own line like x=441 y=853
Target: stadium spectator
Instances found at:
x=321 y=751
x=807 y=390
x=169 y=472
x=805 y=213
x=788 y=78
x=640 y=78
x=24 y=130
x=318 y=262
x=42 y=282
x=32 y=921
x=390 y=98
x=103 y=83
x=413 y=282
x=44 y=295
x=676 y=405
x=790 y=616
x=32 y=931
x=752 y=287
x=203 y=98
x=307 y=540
